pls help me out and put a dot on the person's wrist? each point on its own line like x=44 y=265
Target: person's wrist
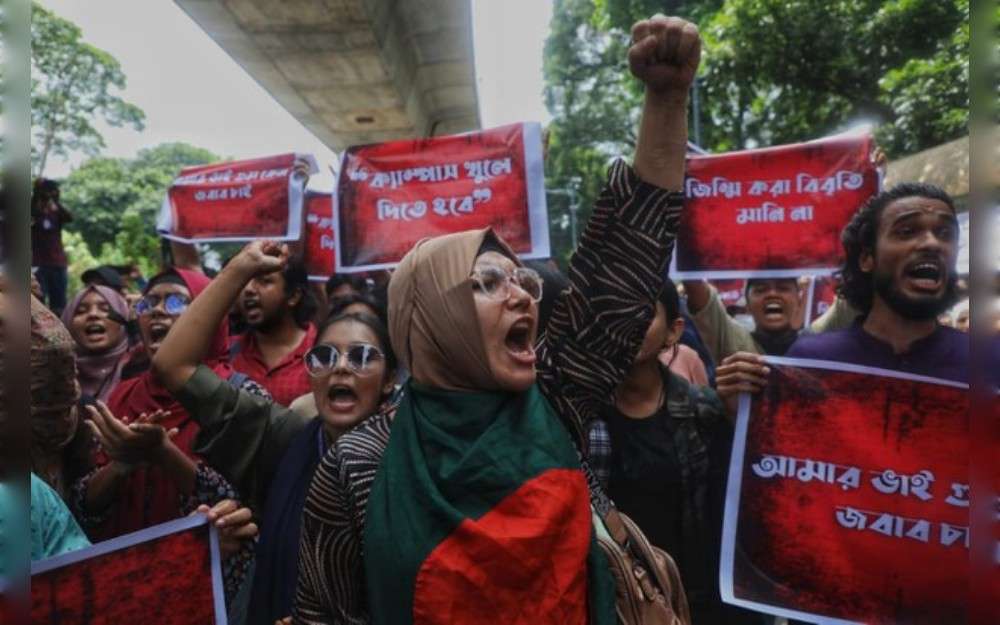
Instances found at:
x=671 y=97
x=120 y=468
x=241 y=267
x=160 y=453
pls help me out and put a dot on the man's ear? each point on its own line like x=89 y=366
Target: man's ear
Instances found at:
x=296 y=297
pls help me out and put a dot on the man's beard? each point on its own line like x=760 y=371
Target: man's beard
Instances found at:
x=267 y=323
x=917 y=309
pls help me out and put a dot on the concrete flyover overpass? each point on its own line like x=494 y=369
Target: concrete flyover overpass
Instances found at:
x=354 y=71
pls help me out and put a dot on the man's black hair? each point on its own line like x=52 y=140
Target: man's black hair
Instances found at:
x=340 y=303
x=297 y=279
x=670 y=299
x=357 y=282
x=861 y=234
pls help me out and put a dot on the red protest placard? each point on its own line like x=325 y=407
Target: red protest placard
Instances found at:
x=168 y=574
x=236 y=201
x=848 y=497
x=392 y=195
x=775 y=212
x=320 y=236
x=822 y=295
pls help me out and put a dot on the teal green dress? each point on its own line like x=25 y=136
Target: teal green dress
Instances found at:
x=54 y=531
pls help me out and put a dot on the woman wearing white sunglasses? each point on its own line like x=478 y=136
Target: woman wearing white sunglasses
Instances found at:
x=269 y=451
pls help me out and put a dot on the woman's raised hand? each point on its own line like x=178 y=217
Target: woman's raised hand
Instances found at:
x=133 y=443
x=665 y=54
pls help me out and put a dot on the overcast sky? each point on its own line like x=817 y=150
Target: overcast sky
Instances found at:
x=192 y=91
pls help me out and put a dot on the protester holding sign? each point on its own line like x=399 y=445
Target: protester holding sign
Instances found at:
x=899 y=271
x=268 y=450
x=476 y=510
x=772 y=302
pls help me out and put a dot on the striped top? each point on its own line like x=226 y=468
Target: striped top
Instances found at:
x=592 y=337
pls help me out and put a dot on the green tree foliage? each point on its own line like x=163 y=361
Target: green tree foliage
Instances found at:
x=595 y=111
x=942 y=79
x=72 y=83
x=778 y=72
x=773 y=72
x=115 y=201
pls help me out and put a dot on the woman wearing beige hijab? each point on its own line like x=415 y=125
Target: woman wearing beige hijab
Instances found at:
x=471 y=505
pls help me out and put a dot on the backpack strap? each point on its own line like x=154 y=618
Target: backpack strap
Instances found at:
x=616 y=527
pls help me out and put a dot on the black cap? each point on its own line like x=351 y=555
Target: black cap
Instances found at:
x=105 y=276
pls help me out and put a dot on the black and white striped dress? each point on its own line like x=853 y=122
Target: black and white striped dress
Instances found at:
x=594 y=333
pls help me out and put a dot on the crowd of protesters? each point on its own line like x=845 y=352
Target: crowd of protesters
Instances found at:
x=337 y=435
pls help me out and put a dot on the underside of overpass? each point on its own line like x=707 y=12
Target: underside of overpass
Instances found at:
x=354 y=71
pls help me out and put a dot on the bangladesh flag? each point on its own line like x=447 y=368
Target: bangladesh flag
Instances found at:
x=480 y=514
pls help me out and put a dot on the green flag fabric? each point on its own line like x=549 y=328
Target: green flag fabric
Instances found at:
x=480 y=513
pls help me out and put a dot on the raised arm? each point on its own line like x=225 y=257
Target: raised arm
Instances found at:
x=598 y=325
x=176 y=360
x=698 y=294
x=664 y=55
x=185 y=256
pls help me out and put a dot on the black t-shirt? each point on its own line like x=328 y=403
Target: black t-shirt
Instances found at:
x=645 y=481
x=668 y=473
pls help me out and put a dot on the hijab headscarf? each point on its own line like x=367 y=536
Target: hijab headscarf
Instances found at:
x=100 y=373
x=479 y=511
x=150 y=497
x=54 y=393
x=53 y=364
x=433 y=323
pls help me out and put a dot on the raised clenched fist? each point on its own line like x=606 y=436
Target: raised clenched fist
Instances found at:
x=665 y=53
x=262 y=256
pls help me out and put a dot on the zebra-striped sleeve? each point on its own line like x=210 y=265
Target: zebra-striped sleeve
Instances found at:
x=330 y=587
x=598 y=325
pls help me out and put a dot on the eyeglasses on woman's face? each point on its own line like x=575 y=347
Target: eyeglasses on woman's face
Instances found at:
x=173 y=303
x=494 y=282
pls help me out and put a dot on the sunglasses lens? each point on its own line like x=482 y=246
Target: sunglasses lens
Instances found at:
x=142 y=307
x=360 y=357
x=325 y=358
x=321 y=358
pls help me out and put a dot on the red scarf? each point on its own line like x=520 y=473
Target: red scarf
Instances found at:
x=149 y=497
